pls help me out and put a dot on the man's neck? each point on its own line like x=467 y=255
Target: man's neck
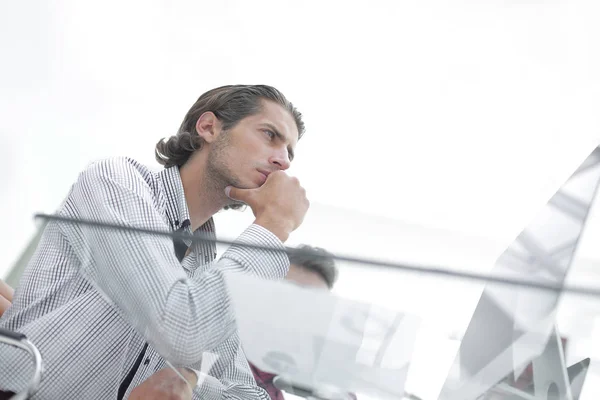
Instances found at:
x=203 y=196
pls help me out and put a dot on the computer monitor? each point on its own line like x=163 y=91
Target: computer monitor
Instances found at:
x=511 y=325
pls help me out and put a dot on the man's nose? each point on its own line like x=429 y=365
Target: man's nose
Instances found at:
x=281 y=160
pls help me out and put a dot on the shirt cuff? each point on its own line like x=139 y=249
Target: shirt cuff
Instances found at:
x=207 y=386
x=270 y=261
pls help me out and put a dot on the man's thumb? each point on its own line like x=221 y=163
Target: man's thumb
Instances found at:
x=237 y=194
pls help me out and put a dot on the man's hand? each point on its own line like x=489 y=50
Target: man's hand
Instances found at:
x=166 y=385
x=279 y=205
x=6 y=296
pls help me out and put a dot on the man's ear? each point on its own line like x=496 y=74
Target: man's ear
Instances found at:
x=208 y=127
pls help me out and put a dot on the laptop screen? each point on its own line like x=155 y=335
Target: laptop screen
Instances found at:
x=511 y=325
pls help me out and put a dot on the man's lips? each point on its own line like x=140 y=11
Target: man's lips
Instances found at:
x=265 y=174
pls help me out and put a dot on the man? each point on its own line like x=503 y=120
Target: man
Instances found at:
x=109 y=308
x=313 y=268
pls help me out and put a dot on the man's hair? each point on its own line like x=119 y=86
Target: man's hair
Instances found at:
x=318 y=260
x=230 y=104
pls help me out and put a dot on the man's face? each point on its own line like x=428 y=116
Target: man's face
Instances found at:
x=256 y=146
x=304 y=277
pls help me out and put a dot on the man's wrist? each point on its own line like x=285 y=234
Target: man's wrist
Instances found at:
x=278 y=227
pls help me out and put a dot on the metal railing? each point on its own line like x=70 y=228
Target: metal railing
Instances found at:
x=19 y=340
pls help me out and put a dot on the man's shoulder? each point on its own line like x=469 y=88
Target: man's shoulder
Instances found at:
x=121 y=169
x=119 y=165
x=121 y=173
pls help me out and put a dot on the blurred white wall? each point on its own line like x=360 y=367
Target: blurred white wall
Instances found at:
x=435 y=129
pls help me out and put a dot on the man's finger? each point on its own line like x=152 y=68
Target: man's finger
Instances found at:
x=241 y=195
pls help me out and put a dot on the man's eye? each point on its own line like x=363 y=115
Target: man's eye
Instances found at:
x=270 y=133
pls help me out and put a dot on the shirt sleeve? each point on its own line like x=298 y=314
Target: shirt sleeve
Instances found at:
x=229 y=377
x=139 y=273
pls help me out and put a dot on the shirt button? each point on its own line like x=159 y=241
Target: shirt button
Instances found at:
x=147 y=361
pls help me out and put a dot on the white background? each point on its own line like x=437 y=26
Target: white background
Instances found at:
x=435 y=128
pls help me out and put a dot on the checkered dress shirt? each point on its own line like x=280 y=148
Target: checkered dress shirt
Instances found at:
x=102 y=305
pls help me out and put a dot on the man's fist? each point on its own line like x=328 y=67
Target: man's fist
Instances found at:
x=279 y=205
x=166 y=385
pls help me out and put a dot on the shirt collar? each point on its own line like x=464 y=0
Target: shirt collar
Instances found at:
x=177 y=210
x=179 y=215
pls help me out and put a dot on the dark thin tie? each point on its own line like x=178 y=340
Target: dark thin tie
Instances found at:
x=178 y=243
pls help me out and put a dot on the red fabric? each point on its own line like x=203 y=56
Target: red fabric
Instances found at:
x=265 y=381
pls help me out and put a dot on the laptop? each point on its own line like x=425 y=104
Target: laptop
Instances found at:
x=576 y=375
x=512 y=326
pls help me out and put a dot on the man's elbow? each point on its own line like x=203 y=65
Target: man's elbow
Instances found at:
x=191 y=328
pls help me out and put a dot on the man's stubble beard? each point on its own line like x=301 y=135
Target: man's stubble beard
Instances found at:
x=218 y=173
